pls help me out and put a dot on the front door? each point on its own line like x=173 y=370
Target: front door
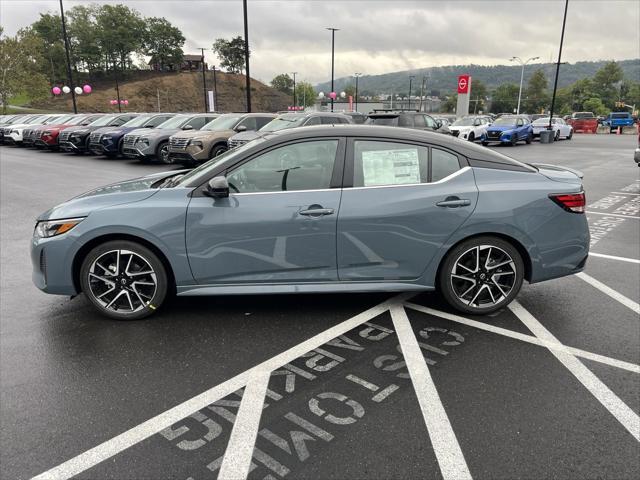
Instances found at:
x=279 y=222
x=406 y=200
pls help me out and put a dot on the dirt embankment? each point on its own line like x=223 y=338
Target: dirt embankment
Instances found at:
x=174 y=92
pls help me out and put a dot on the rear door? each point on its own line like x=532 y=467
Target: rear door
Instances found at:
x=400 y=203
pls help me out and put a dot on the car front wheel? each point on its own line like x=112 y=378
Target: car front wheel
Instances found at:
x=481 y=275
x=162 y=153
x=124 y=280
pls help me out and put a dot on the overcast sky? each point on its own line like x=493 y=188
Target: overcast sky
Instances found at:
x=379 y=36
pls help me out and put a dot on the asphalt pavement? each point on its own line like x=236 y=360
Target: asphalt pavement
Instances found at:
x=334 y=385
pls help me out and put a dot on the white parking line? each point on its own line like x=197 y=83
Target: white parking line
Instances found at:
x=445 y=444
x=631 y=367
x=237 y=456
x=625 y=193
x=119 y=443
x=590 y=212
x=613 y=257
x=627 y=302
x=627 y=417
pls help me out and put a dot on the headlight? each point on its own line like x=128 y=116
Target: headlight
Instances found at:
x=46 y=132
x=51 y=228
x=196 y=143
x=143 y=140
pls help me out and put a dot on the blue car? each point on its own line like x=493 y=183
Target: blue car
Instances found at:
x=109 y=140
x=509 y=130
x=345 y=208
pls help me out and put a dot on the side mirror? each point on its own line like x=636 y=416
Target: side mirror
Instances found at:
x=187 y=127
x=218 y=187
x=438 y=123
x=241 y=128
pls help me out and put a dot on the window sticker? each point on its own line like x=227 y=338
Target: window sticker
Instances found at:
x=391 y=167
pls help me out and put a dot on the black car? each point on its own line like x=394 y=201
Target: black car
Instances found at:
x=76 y=139
x=407 y=119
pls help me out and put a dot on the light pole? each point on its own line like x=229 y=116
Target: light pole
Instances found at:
x=333 y=50
x=246 y=56
x=411 y=77
x=555 y=83
x=294 y=87
x=204 y=82
x=357 y=75
x=519 y=60
x=215 y=90
x=66 y=49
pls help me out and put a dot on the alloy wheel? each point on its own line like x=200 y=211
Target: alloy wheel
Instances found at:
x=164 y=154
x=483 y=276
x=122 y=281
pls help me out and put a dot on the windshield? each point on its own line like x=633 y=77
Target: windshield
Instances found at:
x=282 y=122
x=223 y=122
x=103 y=121
x=508 y=121
x=36 y=120
x=76 y=120
x=391 y=121
x=464 y=122
x=204 y=169
x=137 y=121
x=175 y=122
x=59 y=120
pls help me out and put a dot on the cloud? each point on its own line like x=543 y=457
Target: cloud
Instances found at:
x=381 y=36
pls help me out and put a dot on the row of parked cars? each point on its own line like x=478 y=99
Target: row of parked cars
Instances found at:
x=192 y=138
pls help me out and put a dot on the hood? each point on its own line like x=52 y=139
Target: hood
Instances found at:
x=119 y=193
x=461 y=128
x=140 y=131
x=205 y=134
x=108 y=129
x=501 y=128
x=246 y=136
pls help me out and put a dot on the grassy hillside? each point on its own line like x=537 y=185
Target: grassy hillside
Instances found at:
x=444 y=79
x=179 y=92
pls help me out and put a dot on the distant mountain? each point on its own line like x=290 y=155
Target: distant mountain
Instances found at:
x=442 y=80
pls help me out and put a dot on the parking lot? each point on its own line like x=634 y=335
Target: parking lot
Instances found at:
x=334 y=385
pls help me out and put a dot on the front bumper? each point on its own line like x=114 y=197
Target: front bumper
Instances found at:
x=139 y=150
x=191 y=153
x=52 y=260
x=502 y=138
x=636 y=156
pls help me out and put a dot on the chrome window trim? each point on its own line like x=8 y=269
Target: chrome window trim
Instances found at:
x=442 y=180
x=285 y=191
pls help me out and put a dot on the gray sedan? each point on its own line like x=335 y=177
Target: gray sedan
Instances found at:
x=320 y=209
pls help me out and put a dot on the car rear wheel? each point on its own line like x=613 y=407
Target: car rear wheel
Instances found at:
x=124 y=280
x=481 y=275
x=529 y=139
x=472 y=137
x=570 y=135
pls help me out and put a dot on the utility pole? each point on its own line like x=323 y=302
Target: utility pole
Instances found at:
x=246 y=56
x=555 y=83
x=411 y=77
x=215 y=90
x=204 y=82
x=294 y=88
x=115 y=72
x=333 y=44
x=357 y=74
x=66 y=49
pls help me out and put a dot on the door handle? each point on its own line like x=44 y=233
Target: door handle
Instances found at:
x=316 y=212
x=454 y=202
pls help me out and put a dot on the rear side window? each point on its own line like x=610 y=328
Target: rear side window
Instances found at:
x=388 y=121
x=312 y=121
x=443 y=164
x=330 y=120
x=419 y=121
x=405 y=121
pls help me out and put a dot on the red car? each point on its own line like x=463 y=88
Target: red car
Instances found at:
x=47 y=135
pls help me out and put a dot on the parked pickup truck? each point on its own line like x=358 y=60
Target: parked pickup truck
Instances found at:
x=583 y=122
x=618 y=119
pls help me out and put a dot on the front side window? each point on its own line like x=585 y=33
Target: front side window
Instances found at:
x=443 y=164
x=297 y=166
x=249 y=123
x=312 y=121
x=419 y=121
x=431 y=123
x=154 y=122
x=389 y=163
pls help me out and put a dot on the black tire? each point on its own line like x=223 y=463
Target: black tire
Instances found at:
x=446 y=279
x=155 y=300
x=162 y=153
x=514 y=140
x=472 y=137
x=529 y=139
x=217 y=150
x=570 y=135
x=557 y=138
x=484 y=144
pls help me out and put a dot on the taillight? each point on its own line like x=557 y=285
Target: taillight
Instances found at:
x=571 y=202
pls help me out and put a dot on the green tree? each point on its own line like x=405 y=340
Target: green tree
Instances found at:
x=536 y=95
x=595 y=105
x=505 y=98
x=20 y=57
x=163 y=42
x=305 y=94
x=283 y=82
x=605 y=83
x=49 y=28
x=581 y=91
x=230 y=53
x=479 y=93
x=84 y=38
x=120 y=31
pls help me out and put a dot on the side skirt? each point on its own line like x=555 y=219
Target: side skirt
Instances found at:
x=329 y=287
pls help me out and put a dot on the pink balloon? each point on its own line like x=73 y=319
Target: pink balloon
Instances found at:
x=86 y=89
x=333 y=95
x=126 y=102
x=113 y=102
x=56 y=90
